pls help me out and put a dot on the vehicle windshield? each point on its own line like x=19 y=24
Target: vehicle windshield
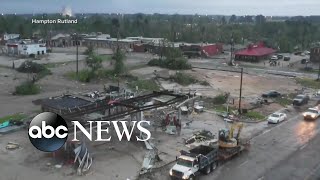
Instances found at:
x=313 y=111
x=184 y=162
x=275 y=115
x=299 y=97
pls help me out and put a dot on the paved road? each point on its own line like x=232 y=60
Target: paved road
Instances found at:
x=304 y=164
x=285 y=143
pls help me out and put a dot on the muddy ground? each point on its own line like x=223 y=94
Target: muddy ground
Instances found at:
x=114 y=161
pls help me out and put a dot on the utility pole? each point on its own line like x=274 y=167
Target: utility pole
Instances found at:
x=319 y=72
x=77 y=44
x=231 y=50
x=240 y=111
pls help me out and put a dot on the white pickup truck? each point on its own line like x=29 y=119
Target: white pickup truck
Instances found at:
x=312 y=113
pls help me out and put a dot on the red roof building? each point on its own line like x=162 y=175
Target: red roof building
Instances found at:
x=254 y=53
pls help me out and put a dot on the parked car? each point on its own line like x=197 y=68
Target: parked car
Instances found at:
x=280 y=56
x=304 y=61
x=298 y=53
x=300 y=99
x=271 y=94
x=286 y=58
x=274 y=58
x=277 y=117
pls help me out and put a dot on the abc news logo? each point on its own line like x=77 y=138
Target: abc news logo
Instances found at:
x=48 y=131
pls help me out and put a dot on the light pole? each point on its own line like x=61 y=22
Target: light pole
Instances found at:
x=319 y=72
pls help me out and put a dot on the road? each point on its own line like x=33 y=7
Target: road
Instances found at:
x=285 y=151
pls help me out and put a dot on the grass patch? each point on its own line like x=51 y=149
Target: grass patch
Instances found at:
x=254 y=115
x=220 y=108
x=27 y=88
x=17 y=117
x=283 y=101
x=148 y=85
x=84 y=75
x=105 y=73
x=311 y=83
x=106 y=57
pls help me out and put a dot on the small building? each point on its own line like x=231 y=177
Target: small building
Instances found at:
x=108 y=42
x=60 y=40
x=315 y=54
x=7 y=37
x=205 y=50
x=145 y=40
x=254 y=53
x=24 y=48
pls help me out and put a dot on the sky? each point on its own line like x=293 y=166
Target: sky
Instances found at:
x=210 y=7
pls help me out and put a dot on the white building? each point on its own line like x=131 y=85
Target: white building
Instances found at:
x=26 y=49
x=147 y=40
x=7 y=37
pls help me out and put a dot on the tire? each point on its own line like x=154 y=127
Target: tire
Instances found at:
x=207 y=170
x=278 y=122
x=214 y=166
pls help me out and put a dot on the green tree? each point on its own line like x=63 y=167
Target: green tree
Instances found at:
x=119 y=67
x=94 y=62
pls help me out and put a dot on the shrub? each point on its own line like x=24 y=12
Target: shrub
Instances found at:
x=183 y=79
x=204 y=83
x=174 y=64
x=31 y=67
x=220 y=99
x=89 y=50
x=27 y=88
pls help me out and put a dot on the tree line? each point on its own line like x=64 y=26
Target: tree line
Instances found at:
x=296 y=31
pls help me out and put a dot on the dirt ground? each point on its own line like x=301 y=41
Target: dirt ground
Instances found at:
x=112 y=161
x=124 y=160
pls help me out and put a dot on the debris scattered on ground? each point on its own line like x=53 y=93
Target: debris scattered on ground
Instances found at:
x=201 y=138
x=12 y=146
x=83 y=158
x=58 y=166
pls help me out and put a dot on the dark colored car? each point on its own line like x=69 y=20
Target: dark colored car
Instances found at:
x=304 y=61
x=286 y=58
x=300 y=99
x=280 y=56
x=271 y=94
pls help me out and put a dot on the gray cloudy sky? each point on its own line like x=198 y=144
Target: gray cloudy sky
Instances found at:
x=225 y=7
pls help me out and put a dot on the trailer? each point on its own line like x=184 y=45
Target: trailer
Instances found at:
x=202 y=159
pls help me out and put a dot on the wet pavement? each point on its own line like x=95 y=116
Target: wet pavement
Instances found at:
x=286 y=151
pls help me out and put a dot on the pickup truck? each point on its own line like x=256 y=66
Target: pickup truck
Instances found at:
x=312 y=113
x=300 y=99
x=202 y=159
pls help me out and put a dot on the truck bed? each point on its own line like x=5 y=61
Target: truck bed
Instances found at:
x=227 y=153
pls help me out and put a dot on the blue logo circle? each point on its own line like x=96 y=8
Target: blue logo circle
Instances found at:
x=48 y=132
